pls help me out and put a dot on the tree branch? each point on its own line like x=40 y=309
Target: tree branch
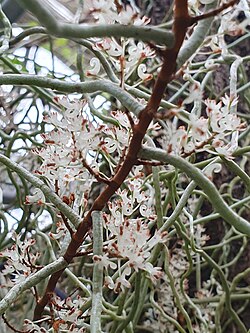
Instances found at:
x=66 y=30
x=30 y=282
x=95 y=318
x=208 y=187
x=125 y=98
x=196 y=39
x=47 y=191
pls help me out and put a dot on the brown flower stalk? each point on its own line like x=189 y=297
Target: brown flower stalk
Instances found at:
x=182 y=21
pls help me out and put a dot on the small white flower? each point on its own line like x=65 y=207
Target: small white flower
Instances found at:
x=122 y=118
x=108 y=282
x=126 y=16
x=199 y=127
x=38 y=198
x=211 y=168
x=195 y=93
x=146 y=210
x=121 y=281
x=137 y=52
x=154 y=272
x=30 y=326
x=227 y=150
x=228 y=103
x=96 y=66
x=105 y=261
x=11 y=253
x=61 y=231
x=110 y=145
x=142 y=73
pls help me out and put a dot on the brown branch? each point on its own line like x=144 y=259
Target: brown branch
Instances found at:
x=122 y=63
x=66 y=223
x=12 y=327
x=130 y=119
x=181 y=23
x=166 y=114
x=97 y=176
x=122 y=157
x=199 y=146
x=81 y=254
x=57 y=187
x=213 y=12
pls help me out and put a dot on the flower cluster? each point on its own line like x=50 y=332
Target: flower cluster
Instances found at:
x=126 y=55
x=68 y=144
x=166 y=301
x=68 y=316
x=109 y=11
x=21 y=261
x=29 y=326
x=216 y=133
x=72 y=149
x=130 y=238
x=126 y=58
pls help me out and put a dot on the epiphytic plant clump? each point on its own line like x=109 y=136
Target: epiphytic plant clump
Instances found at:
x=125 y=187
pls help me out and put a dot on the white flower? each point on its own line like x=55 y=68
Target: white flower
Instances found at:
x=135 y=188
x=108 y=282
x=69 y=312
x=72 y=107
x=96 y=66
x=71 y=118
x=110 y=145
x=38 y=198
x=122 y=118
x=126 y=16
x=11 y=253
x=61 y=231
x=58 y=136
x=19 y=259
x=121 y=281
x=228 y=103
x=195 y=93
x=199 y=127
x=220 y=117
x=227 y=150
x=154 y=272
x=138 y=52
x=211 y=168
x=146 y=210
x=177 y=139
x=111 y=46
x=122 y=136
x=104 y=11
x=105 y=261
x=142 y=73
x=212 y=107
x=31 y=327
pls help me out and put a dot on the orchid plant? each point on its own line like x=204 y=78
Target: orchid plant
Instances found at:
x=119 y=197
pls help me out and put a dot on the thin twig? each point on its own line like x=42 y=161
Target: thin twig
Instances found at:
x=12 y=327
x=214 y=12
